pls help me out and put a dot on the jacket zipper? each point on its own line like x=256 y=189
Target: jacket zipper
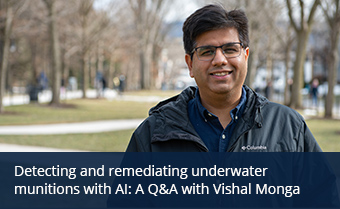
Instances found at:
x=234 y=145
x=246 y=131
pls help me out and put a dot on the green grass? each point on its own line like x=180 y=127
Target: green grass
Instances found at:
x=116 y=141
x=74 y=111
x=327 y=133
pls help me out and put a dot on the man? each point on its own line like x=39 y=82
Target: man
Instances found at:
x=220 y=114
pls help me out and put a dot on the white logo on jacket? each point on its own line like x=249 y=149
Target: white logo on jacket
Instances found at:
x=253 y=147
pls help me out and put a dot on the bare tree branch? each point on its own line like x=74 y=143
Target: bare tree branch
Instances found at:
x=291 y=18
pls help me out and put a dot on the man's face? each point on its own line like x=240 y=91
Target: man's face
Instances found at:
x=220 y=75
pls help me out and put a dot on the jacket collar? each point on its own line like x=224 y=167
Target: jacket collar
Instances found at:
x=172 y=121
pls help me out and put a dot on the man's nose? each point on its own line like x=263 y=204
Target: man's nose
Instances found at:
x=219 y=58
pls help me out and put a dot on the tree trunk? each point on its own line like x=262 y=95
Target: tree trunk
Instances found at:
x=252 y=65
x=302 y=32
x=84 y=11
x=334 y=31
x=147 y=66
x=84 y=61
x=85 y=72
x=269 y=69
x=55 y=52
x=296 y=97
x=5 y=54
x=148 y=16
x=111 y=72
x=287 y=91
x=332 y=71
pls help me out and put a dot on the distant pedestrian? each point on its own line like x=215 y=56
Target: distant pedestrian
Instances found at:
x=121 y=84
x=98 y=83
x=104 y=83
x=314 y=92
x=268 y=90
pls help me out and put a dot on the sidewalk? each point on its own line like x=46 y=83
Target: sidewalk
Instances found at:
x=71 y=128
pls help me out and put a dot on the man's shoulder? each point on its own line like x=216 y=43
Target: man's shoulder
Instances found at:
x=282 y=111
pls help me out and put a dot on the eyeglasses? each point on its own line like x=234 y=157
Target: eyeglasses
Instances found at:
x=207 y=53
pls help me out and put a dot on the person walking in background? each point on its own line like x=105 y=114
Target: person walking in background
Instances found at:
x=314 y=92
x=268 y=90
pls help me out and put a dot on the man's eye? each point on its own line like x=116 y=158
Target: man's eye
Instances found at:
x=230 y=50
x=207 y=52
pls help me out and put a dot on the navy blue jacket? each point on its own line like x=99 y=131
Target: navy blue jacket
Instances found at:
x=264 y=127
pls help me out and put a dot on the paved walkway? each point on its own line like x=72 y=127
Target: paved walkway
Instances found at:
x=71 y=128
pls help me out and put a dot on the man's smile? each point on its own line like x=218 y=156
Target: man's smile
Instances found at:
x=221 y=73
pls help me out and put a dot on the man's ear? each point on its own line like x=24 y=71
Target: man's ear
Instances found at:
x=188 y=60
x=246 y=52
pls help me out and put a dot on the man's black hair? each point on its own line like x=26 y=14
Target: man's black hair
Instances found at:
x=212 y=17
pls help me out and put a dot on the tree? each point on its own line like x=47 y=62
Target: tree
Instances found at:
x=5 y=48
x=92 y=26
x=114 y=39
x=12 y=9
x=148 y=16
x=55 y=51
x=332 y=13
x=69 y=39
x=302 y=33
x=258 y=22
x=30 y=35
x=84 y=10
x=288 y=42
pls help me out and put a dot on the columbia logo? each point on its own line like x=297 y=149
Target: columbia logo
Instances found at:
x=252 y=147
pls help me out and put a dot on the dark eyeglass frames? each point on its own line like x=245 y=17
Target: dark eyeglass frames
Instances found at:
x=207 y=53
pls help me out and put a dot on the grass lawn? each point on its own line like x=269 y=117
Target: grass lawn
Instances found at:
x=327 y=133
x=74 y=111
x=116 y=141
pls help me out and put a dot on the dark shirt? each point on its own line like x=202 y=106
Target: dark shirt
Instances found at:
x=208 y=126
